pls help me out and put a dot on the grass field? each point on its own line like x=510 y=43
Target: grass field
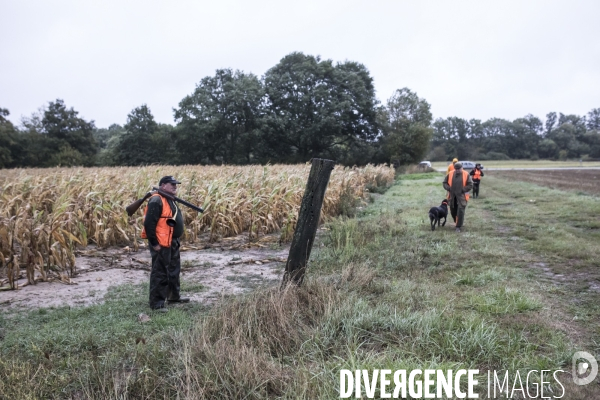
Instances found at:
x=578 y=181
x=518 y=290
x=438 y=165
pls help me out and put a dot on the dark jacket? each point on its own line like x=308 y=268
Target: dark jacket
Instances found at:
x=152 y=216
x=457 y=189
x=473 y=175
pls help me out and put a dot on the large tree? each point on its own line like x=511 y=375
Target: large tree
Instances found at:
x=496 y=132
x=524 y=136
x=593 y=120
x=318 y=109
x=9 y=140
x=108 y=140
x=551 y=119
x=144 y=140
x=407 y=131
x=547 y=148
x=451 y=134
x=73 y=139
x=37 y=148
x=220 y=121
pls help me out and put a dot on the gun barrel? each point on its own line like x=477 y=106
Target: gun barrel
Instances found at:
x=177 y=199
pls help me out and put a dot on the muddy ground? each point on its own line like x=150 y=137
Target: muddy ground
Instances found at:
x=212 y=270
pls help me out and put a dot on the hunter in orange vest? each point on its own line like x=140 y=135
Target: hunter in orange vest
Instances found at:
x=458 y=183
x=163 y=226
x=477 y=174
x=163 y=230
x=451 y=166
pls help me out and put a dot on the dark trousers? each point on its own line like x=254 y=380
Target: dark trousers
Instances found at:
x=475 y=189
x=457 y=212
x=164 y=277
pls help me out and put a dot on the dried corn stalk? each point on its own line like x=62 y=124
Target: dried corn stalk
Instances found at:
x=46 y=213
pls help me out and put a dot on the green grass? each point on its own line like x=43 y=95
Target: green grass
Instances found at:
x=382 y=291
x=417 y=176
x=503 y=300
x=50 y=353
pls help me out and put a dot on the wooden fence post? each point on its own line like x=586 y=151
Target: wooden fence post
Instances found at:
x=308 y=221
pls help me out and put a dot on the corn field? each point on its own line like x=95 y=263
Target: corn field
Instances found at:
x=46 y=214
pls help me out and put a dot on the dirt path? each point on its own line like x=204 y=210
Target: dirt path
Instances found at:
x=211 y=273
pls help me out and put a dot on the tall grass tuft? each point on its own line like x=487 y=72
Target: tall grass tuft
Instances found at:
x=243 y=349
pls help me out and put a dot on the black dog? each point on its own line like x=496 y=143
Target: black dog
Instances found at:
x=437 y=213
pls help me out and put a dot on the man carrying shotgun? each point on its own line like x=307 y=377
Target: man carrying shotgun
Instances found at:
x=163 y=226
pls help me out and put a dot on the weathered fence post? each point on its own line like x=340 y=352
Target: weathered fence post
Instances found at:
x=308 y=221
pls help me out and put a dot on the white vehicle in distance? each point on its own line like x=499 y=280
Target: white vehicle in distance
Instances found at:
x=424 y=165
x=469 y=165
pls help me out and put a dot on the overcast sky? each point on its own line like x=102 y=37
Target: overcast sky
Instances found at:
x=471 y=59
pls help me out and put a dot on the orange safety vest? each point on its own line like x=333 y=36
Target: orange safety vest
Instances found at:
x=477 y=174
x=450 y=168
x=164 y=233
x=465 y=178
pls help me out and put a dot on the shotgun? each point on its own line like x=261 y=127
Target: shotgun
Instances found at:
x=177 y=199
x=133 y=207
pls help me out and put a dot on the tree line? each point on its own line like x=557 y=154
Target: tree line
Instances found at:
x=303 y=107
x=559 y=137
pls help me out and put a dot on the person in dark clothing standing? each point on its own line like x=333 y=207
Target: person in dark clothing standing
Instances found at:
x=476 y=174
x=458 y=183
x=163 y=226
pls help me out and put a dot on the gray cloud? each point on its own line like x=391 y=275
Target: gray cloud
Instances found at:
x=470 y=59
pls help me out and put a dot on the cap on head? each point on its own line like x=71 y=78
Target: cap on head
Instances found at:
x=454 y=160
x=457 y=165
x=168 y=179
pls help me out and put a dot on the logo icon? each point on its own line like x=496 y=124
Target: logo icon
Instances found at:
x=582 y=361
